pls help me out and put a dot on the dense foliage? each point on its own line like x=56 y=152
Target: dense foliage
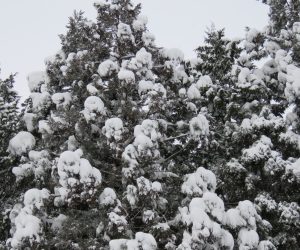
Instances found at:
x=125 y=145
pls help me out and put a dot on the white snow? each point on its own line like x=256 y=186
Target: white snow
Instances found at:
x=107 y=197
x=113 y=128
x=21 y=143
x=36 y=79
x=204 y=82
x=145 y=86
x=295 y=169
x=40 y=101
x=28 y=118
x=144 y=58
x=93 y=106
x=27 y=227
x=126 y=75
x=34 y=198
x=140 y=23
x=107 y=67
x=124 y=32
x=248 y=239
x=44 y=127
x=199 y=126
x=61 y=99
x=193 y=92
x=148 y=39
x=260 y=150
x=73 y=169
x=197 y=183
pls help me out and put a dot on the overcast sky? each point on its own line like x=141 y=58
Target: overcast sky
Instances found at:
x=29 y=28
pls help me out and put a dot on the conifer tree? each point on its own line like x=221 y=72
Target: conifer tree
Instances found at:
x=9 y=124
x=112 y=130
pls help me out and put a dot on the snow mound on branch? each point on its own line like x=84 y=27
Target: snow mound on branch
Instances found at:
x=27 y=228
x=35 y=197
x=260 y=150
x=21 y=143
x=248 y=239
x=295 y=169
x=193 y=92
x=292 y=89
x=148 y=39
x=145 y=86
x=61 y=99
x=201 y=214
x=142 y=241
x=93 y=106
x=204 y=82
x=113 y=128
x=28 y=118
x=197 y=183
x=107 y=197
x=144 y=58
x=40 y=101
x=36 y=79
x=126 y=75
x=107 y=67
x=124 y=32
x=199 y=126
x=75 y=175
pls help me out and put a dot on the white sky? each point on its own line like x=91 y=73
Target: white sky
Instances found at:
x=29 y=28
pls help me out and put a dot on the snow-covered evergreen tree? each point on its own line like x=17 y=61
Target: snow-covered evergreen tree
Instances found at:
x=122 y=138
x=9 y=125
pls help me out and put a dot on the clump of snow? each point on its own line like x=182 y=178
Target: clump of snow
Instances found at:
x=39 y=163
x=74 y=171
x=124 y=32
x=146 y=187
x=204 y=82
x=148 y=39
x=193 y=92
x=93 y=106
x=203 y=226
x=21 y=143
x=61 y=99
x=142 y=241
x=107 y=197
x=292 y=90
x=197 y=183
x=107 y=67
x=40 y=101
x=126 y=75
x=145 y=86
x=260 y=150
x=140 y=23
x=36 y=79
x=248 y=239
x=28 y=118
x=144 y=58
x=271 y=47
x=35 y=197
x=150 y=128
x=44 y=127
x=26 y=227
x=295 y=169
x=91 y=89
x=199 y=126
x=113 y=128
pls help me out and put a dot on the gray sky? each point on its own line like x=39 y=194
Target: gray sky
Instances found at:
x=29 y=28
